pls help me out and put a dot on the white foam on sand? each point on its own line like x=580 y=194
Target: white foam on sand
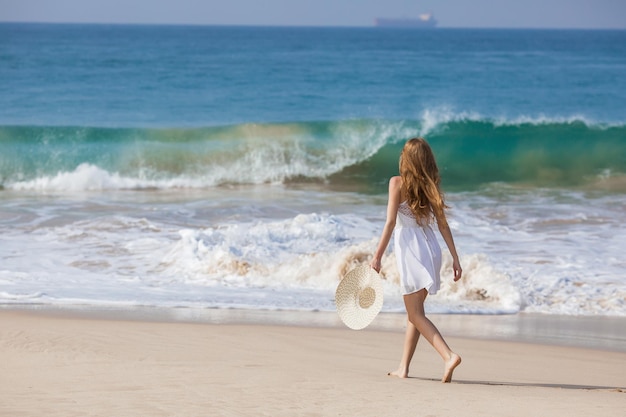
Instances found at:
x=549 y=253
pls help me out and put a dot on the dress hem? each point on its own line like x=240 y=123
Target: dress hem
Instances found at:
x=420 y=289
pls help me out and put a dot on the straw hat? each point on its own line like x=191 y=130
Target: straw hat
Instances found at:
x=359 y=297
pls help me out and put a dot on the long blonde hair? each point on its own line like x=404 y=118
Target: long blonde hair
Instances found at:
x=420 y=181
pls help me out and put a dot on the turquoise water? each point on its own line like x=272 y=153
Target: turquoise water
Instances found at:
x=545 y=107
x=175 y=76
x=357 y=153
x=246 y=167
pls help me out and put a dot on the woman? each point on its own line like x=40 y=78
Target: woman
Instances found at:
x=415 y=202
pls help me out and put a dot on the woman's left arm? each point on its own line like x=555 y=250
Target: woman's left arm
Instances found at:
x=446 y=233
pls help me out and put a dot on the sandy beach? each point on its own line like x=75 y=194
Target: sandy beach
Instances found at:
x=69 y=365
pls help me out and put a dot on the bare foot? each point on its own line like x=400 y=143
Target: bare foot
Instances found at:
x=452 y=363
x=399 y=373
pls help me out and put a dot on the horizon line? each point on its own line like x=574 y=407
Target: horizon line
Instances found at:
x=320 y=26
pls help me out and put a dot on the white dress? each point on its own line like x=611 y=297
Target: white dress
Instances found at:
x=418 y=253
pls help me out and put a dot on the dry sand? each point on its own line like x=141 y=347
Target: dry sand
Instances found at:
x=72 y=366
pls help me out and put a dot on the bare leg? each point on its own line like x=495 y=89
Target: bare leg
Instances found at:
x=411 y=336
x=414 y=304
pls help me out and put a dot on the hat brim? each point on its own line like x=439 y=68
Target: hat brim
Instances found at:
x=359 y=297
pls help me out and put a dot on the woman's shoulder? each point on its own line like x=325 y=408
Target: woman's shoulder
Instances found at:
x=395 y=186
x=395 y=181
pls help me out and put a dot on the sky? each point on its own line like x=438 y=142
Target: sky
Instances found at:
x=580 y=14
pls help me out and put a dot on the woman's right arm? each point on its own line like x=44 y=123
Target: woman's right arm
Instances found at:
x=395 y=185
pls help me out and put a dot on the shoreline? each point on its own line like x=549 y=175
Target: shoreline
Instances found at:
x=590 y=332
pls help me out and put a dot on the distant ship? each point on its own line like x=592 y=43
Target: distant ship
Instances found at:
x=423 y=21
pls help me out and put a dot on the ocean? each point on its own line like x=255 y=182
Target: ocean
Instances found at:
x=246 y=167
